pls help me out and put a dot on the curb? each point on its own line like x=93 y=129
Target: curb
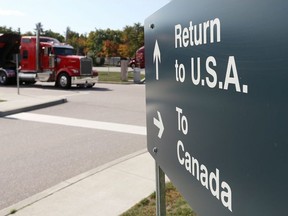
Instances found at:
x=39 y=105
x=67 y=183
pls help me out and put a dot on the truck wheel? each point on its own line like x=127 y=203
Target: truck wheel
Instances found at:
x=133 y=65
x=3 y=78
x=64 y=81
x=90 y=86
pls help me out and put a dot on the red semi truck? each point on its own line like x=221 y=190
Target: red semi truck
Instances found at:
x=44 y=59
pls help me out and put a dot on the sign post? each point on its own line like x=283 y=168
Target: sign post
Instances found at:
x=160 y=192
x=17 y=73
x=217 y=103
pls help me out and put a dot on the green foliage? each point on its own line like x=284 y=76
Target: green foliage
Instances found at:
x=79 y=42
x=4 y=29
x=97 y=44
x=50 y=33
x=115 y=77
x=175 y=205
x=133 y=38
x=104 y=43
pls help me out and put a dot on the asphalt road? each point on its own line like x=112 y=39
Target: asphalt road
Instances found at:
x=36 y=155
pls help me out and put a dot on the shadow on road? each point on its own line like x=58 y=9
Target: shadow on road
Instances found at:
x=52 y=87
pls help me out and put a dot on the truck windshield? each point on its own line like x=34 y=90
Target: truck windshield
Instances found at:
x=63 y=51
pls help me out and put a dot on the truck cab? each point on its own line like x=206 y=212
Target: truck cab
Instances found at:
x=51 y=61
x=44 y=59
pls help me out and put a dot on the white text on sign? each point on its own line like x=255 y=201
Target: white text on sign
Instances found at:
x=210 y=180
x=204 y=72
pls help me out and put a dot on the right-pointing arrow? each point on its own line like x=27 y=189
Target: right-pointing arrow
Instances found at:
x=159 y=123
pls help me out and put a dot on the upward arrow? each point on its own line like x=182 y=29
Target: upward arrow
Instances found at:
x=157 y=58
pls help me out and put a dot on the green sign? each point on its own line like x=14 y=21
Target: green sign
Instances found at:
x=217 y=103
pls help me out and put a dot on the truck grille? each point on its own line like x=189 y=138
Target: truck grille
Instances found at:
x=86 y=66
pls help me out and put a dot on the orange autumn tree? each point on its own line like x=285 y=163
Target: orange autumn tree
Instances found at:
x=110 y=48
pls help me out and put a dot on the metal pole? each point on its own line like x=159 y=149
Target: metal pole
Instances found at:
x=38 y=47
x=17 y=74
x=160 y=192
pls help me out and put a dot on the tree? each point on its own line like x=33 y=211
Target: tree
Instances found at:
x=99 y=43
x=29 y=33
x=79 y=42
x=50 y=33
x=111 y=43
x=4 y=29
x=132 y=39
x=95 y=42
x=82 y=45
x=124 y=50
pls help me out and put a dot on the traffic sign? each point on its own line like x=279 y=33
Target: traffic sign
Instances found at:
x=217 y=103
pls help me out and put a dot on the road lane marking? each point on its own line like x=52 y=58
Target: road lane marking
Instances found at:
x=108 y=126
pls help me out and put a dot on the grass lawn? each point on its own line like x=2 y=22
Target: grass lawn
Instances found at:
x=116 y=77
x=175 y=205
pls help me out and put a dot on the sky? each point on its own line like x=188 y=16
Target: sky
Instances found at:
x=82 y=16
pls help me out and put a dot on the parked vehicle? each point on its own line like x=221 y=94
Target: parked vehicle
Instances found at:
x=139 y=60
x=9 y=46
x=44 y=59
x=132 y=63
